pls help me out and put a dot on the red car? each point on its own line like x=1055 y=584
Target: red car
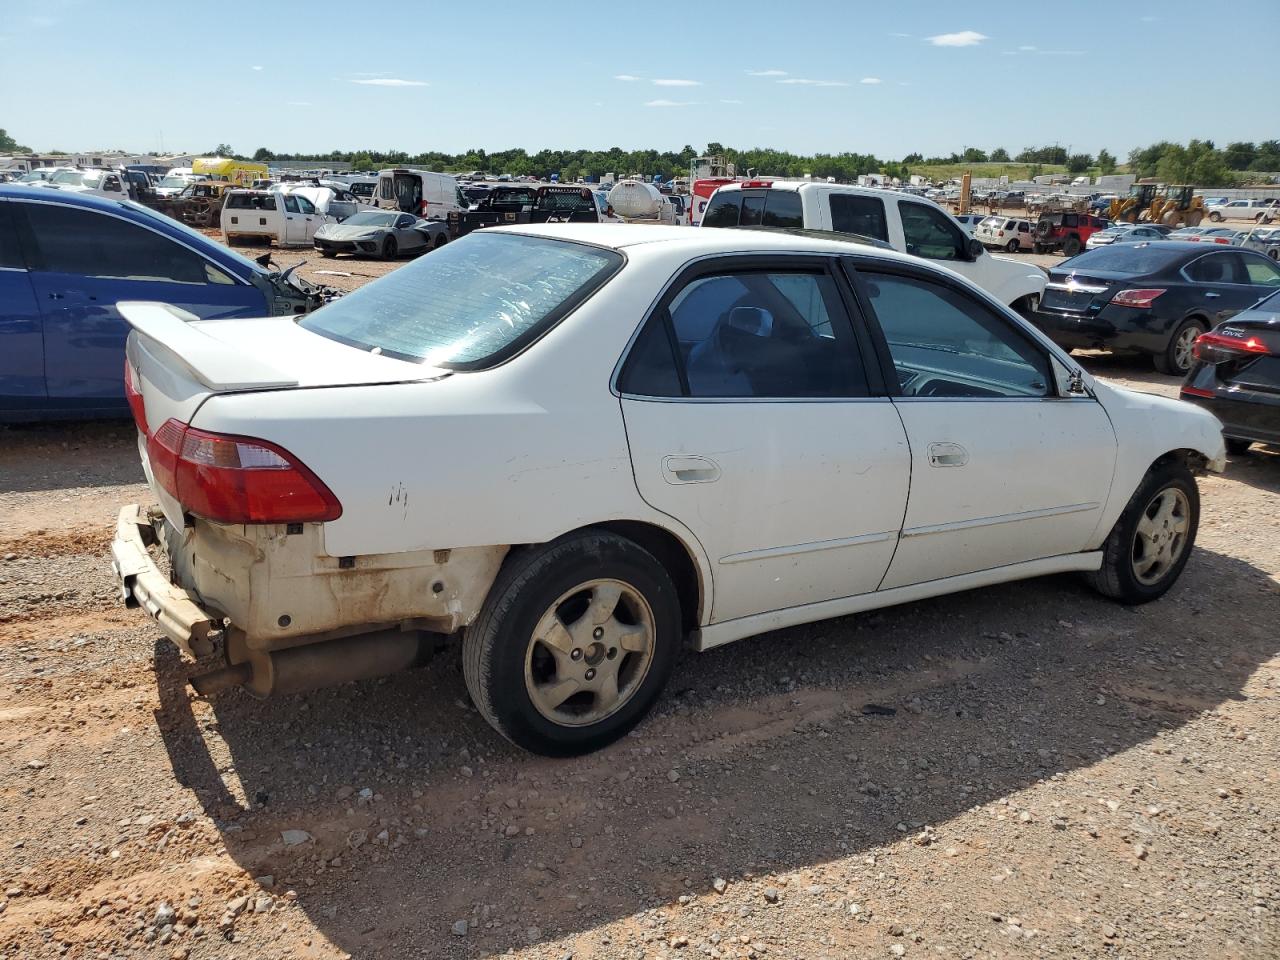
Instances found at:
x=1066 y=231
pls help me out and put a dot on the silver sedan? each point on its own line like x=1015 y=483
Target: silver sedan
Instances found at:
x=381 y=233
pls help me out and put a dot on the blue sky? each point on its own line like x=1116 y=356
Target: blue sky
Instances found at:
x=883 y=78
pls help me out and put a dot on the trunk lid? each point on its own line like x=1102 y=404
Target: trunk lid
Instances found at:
x=175 y=361
x=1078 y=293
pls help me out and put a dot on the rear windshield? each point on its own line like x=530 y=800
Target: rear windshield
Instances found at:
x=470 y=304
x=770 y=208
x=251 y=201
x=1127 y=258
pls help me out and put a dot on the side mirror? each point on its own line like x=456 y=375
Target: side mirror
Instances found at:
x=974 y=248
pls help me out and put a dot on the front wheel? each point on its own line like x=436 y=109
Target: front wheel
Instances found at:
x=1147 y=548
x=574 y=643
x=1176 y=358
x=1215 y=216
x=390 y=248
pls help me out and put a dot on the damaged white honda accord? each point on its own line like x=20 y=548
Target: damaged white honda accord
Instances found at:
x=579 y=446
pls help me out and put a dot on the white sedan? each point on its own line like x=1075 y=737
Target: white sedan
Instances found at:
x=581 y=445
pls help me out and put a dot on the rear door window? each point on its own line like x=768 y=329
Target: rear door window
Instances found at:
x=1218 y=268
x=99 y=245
x=851 y=213
x=10 y=251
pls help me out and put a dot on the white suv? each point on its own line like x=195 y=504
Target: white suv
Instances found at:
x=1006 y=233
x=902 y=222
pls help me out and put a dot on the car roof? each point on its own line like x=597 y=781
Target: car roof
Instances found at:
x=13 y=191
x=701 y=240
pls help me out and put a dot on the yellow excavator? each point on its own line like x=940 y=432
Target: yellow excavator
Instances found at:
x=1174 y=205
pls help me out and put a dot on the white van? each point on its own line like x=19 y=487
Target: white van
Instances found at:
x=905 y=223
x=432 y=196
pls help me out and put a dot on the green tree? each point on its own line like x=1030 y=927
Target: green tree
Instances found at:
x=973 y=155
x=913 y=158
x=1079 y=162
x=10 y=145
x=1268 y=156
x=1238 y=156
x=999 y=155
x=263 y=155
x=223 y=150
x=1106 y=162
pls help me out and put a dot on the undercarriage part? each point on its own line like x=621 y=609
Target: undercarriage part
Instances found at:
x=312 y=666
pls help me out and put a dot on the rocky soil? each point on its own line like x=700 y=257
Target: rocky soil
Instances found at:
x=1021 y=771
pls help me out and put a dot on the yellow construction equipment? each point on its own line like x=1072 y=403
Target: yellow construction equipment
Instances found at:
x=1172 y=205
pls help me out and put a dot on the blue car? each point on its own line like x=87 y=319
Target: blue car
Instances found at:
x=66 y=260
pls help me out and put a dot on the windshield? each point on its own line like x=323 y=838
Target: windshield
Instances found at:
x=371 y=218
x=470 y=303
x=178 y=182
x=68 y=178
x=1136 y=258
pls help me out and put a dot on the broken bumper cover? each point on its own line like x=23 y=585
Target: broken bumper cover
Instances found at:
x=143 y=584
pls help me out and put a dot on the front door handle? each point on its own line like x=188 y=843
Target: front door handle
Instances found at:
x=947 y=455
x=1210 y=295
x=690 y=470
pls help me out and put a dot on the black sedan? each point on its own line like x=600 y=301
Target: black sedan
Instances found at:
x=1236 y=375
x=1153 y=298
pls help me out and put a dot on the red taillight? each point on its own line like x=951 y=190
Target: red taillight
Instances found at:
x=237 y=479
x=1141 y=297
x=134 y=396
x=1220 y=240
x=1215 y=348
x=1000 y=234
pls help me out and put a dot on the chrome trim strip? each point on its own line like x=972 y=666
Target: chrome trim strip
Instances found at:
x=1075 y=287
x=1001 y=518
x=13 y=269
x=768 y=553
x=643 y=399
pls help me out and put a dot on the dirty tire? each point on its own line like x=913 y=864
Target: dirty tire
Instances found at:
x=1117 y=578
x=1175 y=360
x=390 y=248
x=1012 y=246
x=1071 y=246
x=441 y=240
x=497 y=644
x=1215 y=216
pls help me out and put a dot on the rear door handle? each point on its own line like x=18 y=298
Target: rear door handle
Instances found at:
x=1210 y=295
x=947 y=455
x=690 y=470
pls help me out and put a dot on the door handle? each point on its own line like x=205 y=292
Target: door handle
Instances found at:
x=55 y=296
x=1210 y=295
x=690 y=470
x=947 y=455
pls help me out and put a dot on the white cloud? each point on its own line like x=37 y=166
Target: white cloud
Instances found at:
x=871 y=80
x=965 y=38
x=391 y=82
x=766 y=73
x=730 y=101
x=255 y=68
x=804 y=81
x=627 y=77
x=677 y=83
x=1026 y=47
x=670 y=103
x=905 y=36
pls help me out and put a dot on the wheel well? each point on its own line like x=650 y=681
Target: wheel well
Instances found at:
x=1195 y=461
x=673 y=555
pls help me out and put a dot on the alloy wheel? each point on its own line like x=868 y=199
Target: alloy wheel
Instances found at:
x=1161 y=535
x=590 y=653
x=1182 y=348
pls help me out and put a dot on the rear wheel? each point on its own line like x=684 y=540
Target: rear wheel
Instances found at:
x=1072 y=245
x=390 y=248
x=1012 y=245
x=441 y=240
x=1215 y=216
x=1176 y=358
x=1147 y=548
x=574 y=643
x=1237 y=446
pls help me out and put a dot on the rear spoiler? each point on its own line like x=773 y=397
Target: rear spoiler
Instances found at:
x=217 y=365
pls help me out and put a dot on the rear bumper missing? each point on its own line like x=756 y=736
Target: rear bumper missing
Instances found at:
x=143 y=584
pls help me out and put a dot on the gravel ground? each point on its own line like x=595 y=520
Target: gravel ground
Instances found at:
x=1019 y=771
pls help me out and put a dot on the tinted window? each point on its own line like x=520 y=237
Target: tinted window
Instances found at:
x=471 y=301
x=1133 y=258
x=756 y=334
x=1217 y=268
x=651 y=365
x=250 y=201
x=782 y=208
x=930 y=233
x=98 y=245
x=945 y=345
x=10 y=252
x=851 y=213
x=305 y=205
x=723 y=209
x=752 y=210
x=290 y=203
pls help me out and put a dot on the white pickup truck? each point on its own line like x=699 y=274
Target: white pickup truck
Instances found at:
x=906 y=223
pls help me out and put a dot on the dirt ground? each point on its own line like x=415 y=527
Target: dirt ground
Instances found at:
x=1021 y=771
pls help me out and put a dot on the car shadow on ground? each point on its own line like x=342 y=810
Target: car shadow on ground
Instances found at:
x=39 y=456
x=778 y=763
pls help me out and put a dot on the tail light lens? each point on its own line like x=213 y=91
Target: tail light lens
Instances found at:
x=237 y=479
x=134 y=396
x=1215 y=348
x=1141 y=297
